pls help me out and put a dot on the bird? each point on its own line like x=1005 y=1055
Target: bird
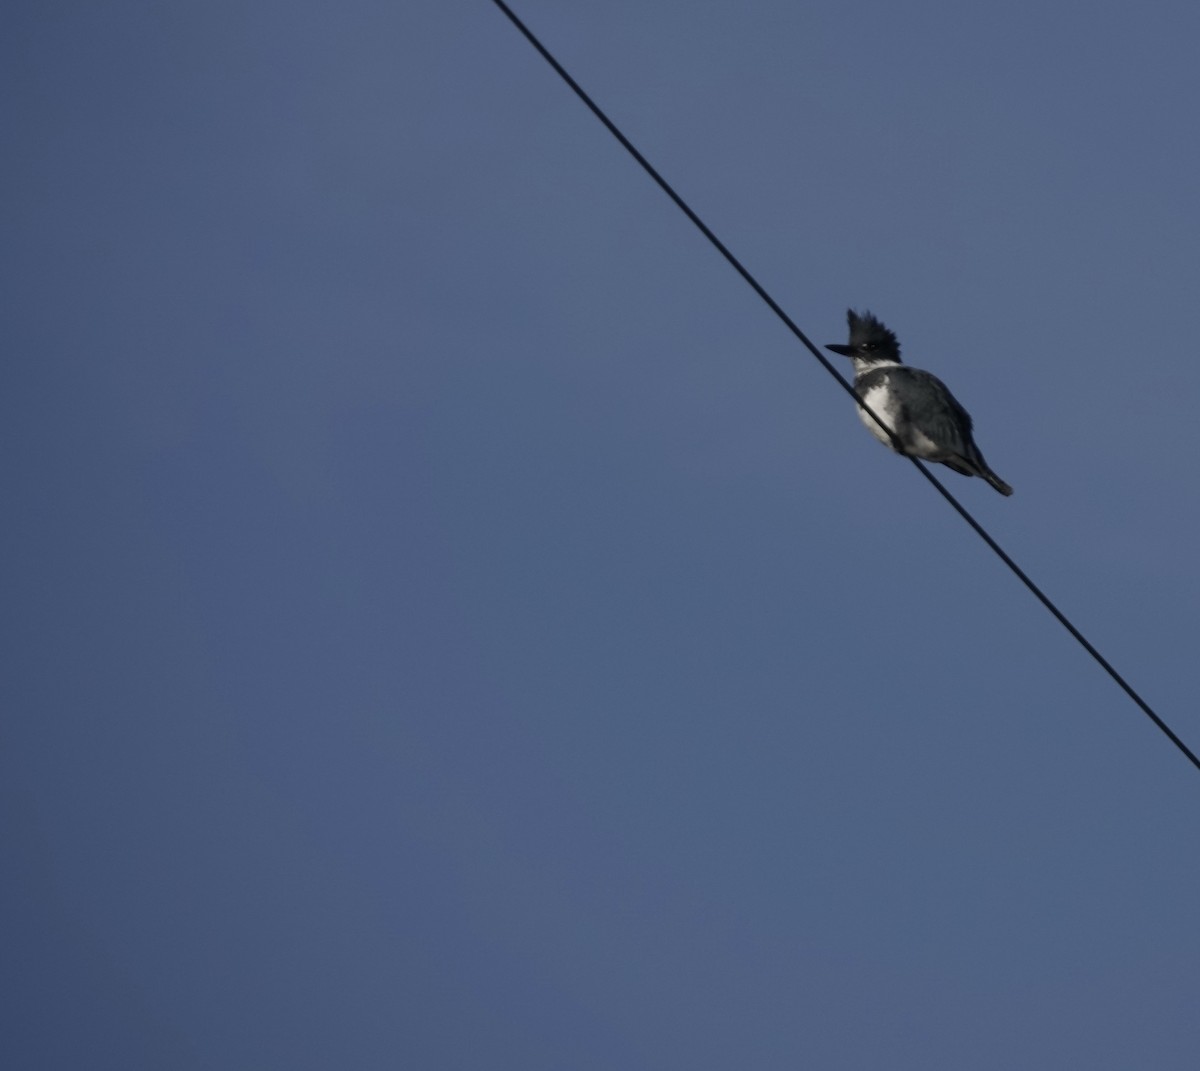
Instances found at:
x=926 y=420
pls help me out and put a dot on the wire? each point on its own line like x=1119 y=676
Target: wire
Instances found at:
x=845 y=384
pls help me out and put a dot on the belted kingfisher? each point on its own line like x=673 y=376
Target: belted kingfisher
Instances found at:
x=925 y=417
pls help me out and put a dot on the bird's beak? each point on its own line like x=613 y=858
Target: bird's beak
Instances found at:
x=845 y=351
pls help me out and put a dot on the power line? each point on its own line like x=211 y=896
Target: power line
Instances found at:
x=846 y=386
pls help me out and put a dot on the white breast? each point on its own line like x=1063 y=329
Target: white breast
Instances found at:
x=880 y=400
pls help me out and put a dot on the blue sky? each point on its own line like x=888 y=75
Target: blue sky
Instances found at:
x=452 y=624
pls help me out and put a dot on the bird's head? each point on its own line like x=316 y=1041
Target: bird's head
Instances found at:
x=870 y=342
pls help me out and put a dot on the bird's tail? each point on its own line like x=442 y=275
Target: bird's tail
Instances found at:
x=995 y=480
x=970 y=463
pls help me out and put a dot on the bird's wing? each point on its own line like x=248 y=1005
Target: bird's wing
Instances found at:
x=943 y=420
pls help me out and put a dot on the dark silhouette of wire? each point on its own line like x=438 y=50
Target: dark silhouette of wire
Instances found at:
x=845 y=384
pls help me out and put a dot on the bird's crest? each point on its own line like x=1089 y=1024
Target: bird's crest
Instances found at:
x=865 y=328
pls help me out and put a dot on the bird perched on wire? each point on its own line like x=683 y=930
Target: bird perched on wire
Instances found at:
x=924 y=416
